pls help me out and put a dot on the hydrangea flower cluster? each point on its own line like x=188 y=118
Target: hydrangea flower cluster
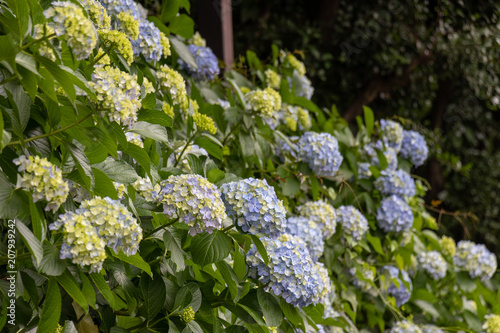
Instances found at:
x=448 y=246
x=118 y=41
x=68 y=20
x=321 y=152
x=115 y=7
x=309 y=232
x=394 y=215
x=392 y=134
x=431 y=329
x=102 y=58
x=402 y=294
x=197 y=40
x=414 y=148
x=206 y=61
x=265 y=102
x=476 y=259
x=368 y=273
x=204 y=123
x=165 y=44
x=290 y=273
x=174 y=83
x=284 y=150
x=321 y=213
x=296 y=64
x=149 y=42
x=353 y=223
x=128 y=25
x=364 y=171
x=273 y=79
x=135 y=139
x=119 y=92
x=40 y=31
x=255 y=206
x=301 y=85
x=120 y=190
x=396 y=182
x=492 y=324
x=194 y=200
x=146 y=189
x=44 y=179
x=405 y=326
x=168 y=109
x=97 y=13
x=389 y=153
x=187 y=314
x=99 y=222
x=433 y=263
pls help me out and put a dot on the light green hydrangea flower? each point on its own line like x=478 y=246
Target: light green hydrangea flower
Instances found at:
x=492 y=324
x=168 y=109
x=321 y=213
x=273 y=79
x=187 y=314
x=295 y=63
x=197 y=40
x=173 y=82
x=118 y=42
x=128 y=25
x=448 y=246
x=266 y=102
x=40 y=31
x=97 y=13
x=204 y=123
x=165 y=44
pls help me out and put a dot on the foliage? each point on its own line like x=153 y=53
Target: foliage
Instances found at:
x=148 y=198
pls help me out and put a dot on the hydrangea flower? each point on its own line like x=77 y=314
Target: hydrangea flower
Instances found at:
x=265 y=102
x=321 y=152
x=414 y=148
x=120 y=190
x=492 y=324
x=433 y=263
x=146 y=189
x=310 y=232
x=118 y=92
x=396 y=182
x=301 y=85
x=40 y=31
x=255 y=206
x=193 y=199
x=405 y=327
x=368 y=273
x=135 y=139
x=273 y=79
x=223 y=103
x=392 y=134
x=389 y=153
x=197 y=40
x=68 y=20
x=204 y=123
x=184 y=162
x=44 y=179
x=187 y=314
x=149 y=43
x=97 y=13
x=174 y=83
x=364 y=171
x=321 y=213
x=168 y=109
x=394 y=215
x=102 y=58
x=448 y=246
x=128 y=25
x=115 y=7
x=99 y=222
x=118 y=42
x=148 y=87
x=206 y=61
x=327 y=295
x=290 y=273
x=402 y=294
x=165 y=44
x=284 y=150
x=431 y=329
x=476 y=259
x=353 y=223
x=292 y=62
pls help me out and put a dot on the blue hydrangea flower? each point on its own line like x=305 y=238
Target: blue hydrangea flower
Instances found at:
x=433 y=263
x=290 y=273
x=476 y=259
x=353 y=223
x=309 y=232
x=115 y=7
x=301 y=85
x=193 y=199
x=149 y=42
x=321 y=152
x=405 y=326
x=321 y=213
x=394 y=215
x=389 y=153
x=364 y=171
x=396 y=182
x=208 y=66
x=284 y=150
x=255 y=206
x=414 y=148
x=392 y=134
x=402 y=294
x=431 y=329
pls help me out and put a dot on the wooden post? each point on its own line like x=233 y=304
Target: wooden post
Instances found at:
x=215 y=23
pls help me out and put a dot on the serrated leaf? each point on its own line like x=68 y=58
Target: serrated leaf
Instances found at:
x=135 y=260
x=152 y=131
x=51 y=263
x=118 y=171
x=172 y=241
x=153 y=292
x=209 y=248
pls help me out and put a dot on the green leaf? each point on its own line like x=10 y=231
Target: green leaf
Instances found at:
x=68 y=282
x=135 y=260
x=154 y=294
x=118 y=171
x=88 y=290
x=375 y=242
x=103 y=185
x=291 y=313
x=182 y=25
x=215 y=175
x=183 y=52
x=382 y=160
x=20 y=8
x=369 y=120
x=169 y=9
x=82 y=163
x=229 y=277
x=38 y=223
x=194 y=327
x=103 y=287
x=172 y=241
x=31 y=241
x=183 y=298
x=270 y=307
x=240 y=266
x=209 y=248
x=140 y=155
x=30 y=287
x=52 y=308
x=212 y=148
x=51 y=263
x=154 y=117
x=290 y=187
x=153 y=131
x=261 y=248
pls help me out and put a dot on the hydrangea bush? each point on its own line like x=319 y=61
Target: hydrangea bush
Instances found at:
x=145 y=190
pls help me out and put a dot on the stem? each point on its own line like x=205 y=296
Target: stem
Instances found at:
x=228 y=228
x=231 y=132
x=51 y=133
x=37 y=41
x=160 y=227
x=185 y=147
x=8 y=79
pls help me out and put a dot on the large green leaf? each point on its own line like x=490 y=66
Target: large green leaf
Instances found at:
x=135 y=260
x=31 y=241
x=51 y=263
x=52 y=308
x=155 y=117
x=183 y=52
x=154 y=294
x=103 y=287
x=209 y=248
x=182 y=25
x=172 y=240
x=153 y=131
x=118 y=171
x=270 y=307
x=68 y=282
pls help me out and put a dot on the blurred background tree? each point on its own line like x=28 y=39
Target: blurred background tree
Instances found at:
x=434 y=63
